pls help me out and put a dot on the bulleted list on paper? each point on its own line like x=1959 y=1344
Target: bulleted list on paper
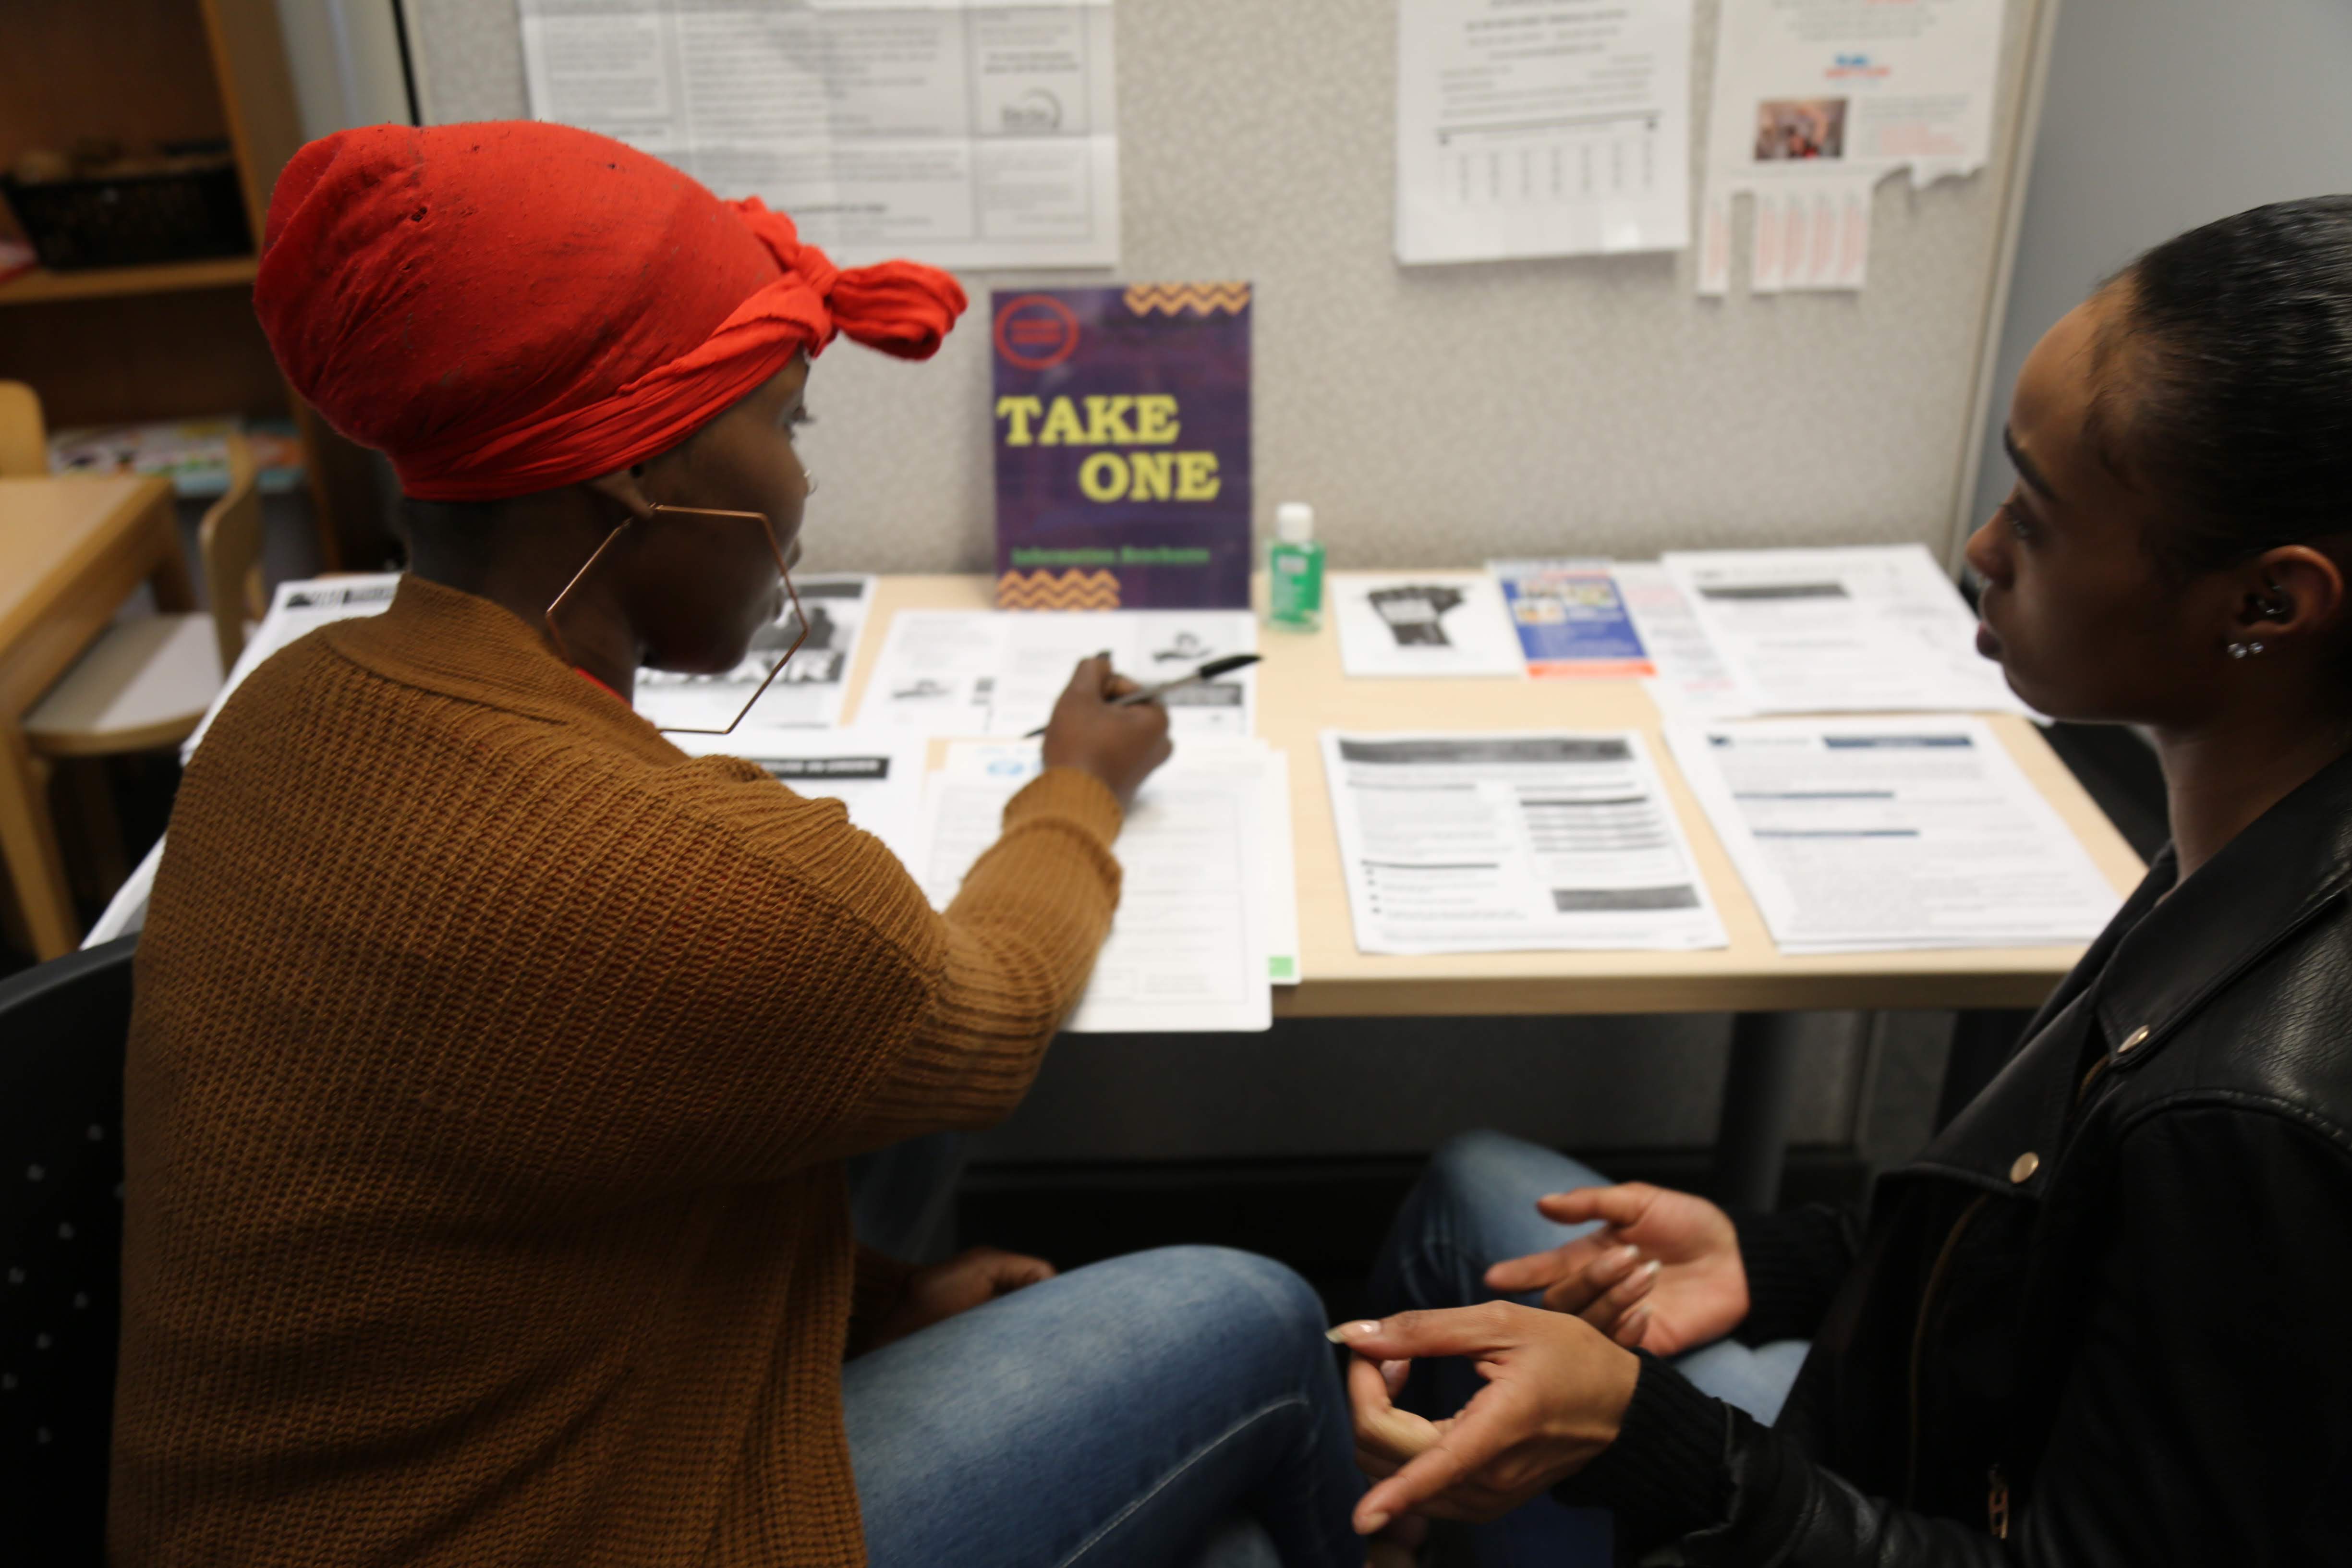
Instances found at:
x=1507 y=843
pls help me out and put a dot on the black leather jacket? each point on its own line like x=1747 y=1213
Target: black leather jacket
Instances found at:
x=2106 y=1316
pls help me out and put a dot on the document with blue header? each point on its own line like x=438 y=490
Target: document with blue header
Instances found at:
x=1863 y=835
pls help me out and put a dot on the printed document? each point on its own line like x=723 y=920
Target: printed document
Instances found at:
x=878 y=775
x=1513 y=843
x=1188 y=949
x=997 y=672
x=1423 y=623
x=1692 y=679
x=295 y=609
x=1863 y=835
x=1555 y=129
x=1571 y=620
x=1815 y=102
x=1859 y=630
x=970 y=136
x=810 y=689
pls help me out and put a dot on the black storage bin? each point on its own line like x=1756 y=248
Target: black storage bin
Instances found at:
x=181 y=209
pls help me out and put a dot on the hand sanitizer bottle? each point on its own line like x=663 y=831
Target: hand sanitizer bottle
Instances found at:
x=1294 y=570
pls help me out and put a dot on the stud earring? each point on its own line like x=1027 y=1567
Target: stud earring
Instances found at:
x=2244 y=649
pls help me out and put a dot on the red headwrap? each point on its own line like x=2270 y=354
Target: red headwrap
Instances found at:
x=512 y=306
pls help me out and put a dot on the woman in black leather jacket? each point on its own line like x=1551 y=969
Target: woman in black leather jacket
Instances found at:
x=2107 y=1317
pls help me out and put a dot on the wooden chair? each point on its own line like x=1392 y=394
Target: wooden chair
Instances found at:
x=24 y=439
x=146 y=682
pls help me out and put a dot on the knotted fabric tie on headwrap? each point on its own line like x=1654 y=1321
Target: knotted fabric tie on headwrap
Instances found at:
x=512 y=306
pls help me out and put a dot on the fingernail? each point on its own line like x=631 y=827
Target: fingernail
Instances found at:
x=1656 y=1264
x=1346 y=1332
x=1374 y=1523
x=1628 y=1255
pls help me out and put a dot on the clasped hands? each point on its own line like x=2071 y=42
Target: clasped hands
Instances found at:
x=1662 y=1273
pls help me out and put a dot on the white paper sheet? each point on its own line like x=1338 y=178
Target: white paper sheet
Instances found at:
x=1423 y=623
x=1855 y=630
x=993 y=672
x=1512 y=843
x=970 y=136
x=878 y=775
x=298 y=608
x=809 y=692
x=1188 y=949
x=1815 y=102
x=1693 y=680
x=1541 y=130
x=1866 y=834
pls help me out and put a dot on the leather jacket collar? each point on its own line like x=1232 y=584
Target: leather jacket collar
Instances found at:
x=2148 y=972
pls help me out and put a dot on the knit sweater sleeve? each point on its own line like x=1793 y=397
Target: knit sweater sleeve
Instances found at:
x=1795 y=1262
x=1020 y=942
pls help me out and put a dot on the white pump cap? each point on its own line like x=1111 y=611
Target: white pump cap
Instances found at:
x=1294 y=521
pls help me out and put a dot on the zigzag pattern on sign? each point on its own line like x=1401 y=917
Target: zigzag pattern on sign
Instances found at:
x=1058 y=591
x=1204 y=298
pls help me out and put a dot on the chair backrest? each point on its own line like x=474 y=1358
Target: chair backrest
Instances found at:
x=24 y=437
x=229 y=543
x=62 y=1028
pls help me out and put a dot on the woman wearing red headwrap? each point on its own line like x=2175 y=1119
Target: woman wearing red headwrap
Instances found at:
x=494 y=1063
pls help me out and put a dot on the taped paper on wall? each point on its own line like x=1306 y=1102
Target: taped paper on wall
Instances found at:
x=1551 y=131
x=1816 y=101
x=968 y=136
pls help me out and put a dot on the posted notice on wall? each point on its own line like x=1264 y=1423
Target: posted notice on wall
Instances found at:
x=1554 y=129
x=968 y=137
x=1122 y=443
x=1817 y=100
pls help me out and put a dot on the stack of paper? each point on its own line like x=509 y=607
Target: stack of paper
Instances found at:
x=989 y=672
x=1208 y=906
x=1861 y=835
x=1509 y=842
x=1868 y=629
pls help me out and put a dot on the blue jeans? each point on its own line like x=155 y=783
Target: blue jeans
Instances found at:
x=1474 y=1207
x=1177 y=1407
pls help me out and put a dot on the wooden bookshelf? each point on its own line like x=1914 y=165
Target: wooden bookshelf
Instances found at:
x=178 y=340
x=41 y=285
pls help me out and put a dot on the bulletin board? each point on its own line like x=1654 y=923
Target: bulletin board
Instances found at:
x=1435 y=416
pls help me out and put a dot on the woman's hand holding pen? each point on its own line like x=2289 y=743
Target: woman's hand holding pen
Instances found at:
x=1662 y=1273
x=1091 y=732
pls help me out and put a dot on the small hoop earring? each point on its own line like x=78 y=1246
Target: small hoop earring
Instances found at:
x=2245 y=649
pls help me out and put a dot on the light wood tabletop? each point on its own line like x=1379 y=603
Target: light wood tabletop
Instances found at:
x=1302 y=692
x=71 y=551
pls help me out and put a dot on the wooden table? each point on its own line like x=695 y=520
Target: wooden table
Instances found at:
x=71 y=551
x=1302 y=692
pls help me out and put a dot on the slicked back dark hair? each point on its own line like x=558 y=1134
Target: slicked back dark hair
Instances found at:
x=2226 y=381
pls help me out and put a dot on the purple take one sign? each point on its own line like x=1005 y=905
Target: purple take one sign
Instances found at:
x=1122 y=439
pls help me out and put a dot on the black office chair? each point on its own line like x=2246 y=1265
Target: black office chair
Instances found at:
x=62 y=1027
